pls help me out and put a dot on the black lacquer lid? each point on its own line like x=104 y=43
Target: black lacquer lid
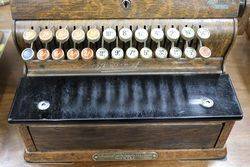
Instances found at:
x=125 y=98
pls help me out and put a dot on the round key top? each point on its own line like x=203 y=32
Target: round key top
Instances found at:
x=203 y=34
x=109 y=35
x=125 y=34
x=93 y=35
x=190 y=53
x=157 y=34
x=62 y=35
x=28 y=54
x=187 y=33
x=132 y=53
x=73 y=54
x=43 y=54
x=205 y=52
x=102 y=54
x=117 y=53
x=46 y=35
x=87 y=54
x=141 y=35
x=173 y=34
x=78 y=35
x=29 y=36
x=161 y=53
x=175 y=53
x=58 y=54
x=146 y=53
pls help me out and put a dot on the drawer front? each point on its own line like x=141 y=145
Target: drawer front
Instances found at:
x=105 y=9
x=125 y=136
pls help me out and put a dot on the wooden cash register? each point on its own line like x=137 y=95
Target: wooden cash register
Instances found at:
x=125 y=80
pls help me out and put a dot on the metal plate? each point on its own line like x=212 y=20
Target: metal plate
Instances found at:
x=124 y=156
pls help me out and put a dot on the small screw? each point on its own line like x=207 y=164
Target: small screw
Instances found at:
x=43 y=105
x=207 y=102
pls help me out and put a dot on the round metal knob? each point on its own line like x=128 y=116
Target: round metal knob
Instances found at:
x=73 y=54
x=87 y=54
x=173 y=34
x=46 y=35
x=161 y=53
x=190 y=52
x=157 y=34
x=62 y=35
x=28 y=54
x=175 y=53
x=187 y=33
x=43 y=54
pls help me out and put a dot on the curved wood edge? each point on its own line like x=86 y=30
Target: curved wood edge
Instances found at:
x=86 y=156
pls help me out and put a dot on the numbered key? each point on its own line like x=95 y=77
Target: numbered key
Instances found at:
x=28 y=54
x=203 y=34
x=29 y=36
x=102 y=54
x=132 y=53
x=78 y=35
x=62 y=35
x=46 y=36
x=43 y=54
x=58 y=54
x=87 y=54
x=190 y=52
x=125 y=34
x=117 y=53
x=73 y=54
x=187 y=33
x=146 y=53
x=157 y=34
x=141 y=35
x=161 y=53
x=172 y=34
x=175 y=53
x=109 y=35
x=205 y=52
x=93 y=35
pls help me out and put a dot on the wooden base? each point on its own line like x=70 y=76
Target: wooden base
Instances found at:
x=86 y=156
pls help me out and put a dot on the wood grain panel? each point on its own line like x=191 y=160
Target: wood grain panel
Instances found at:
x=106 y=9
x=86 y=156
x=124 y=67
x=119 y=136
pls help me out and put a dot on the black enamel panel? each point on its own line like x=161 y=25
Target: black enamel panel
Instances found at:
x=113 y=98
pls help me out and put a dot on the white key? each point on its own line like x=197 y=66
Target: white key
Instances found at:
x=146 y=53
x=132 y=53
x=203 y=34
x=28 y=54
x=173 y=34
x=161 y=53
x=29 y=36
x=46 y=35
x=102 y=54
x=141 y=35
x=157 y=34
x=78 y=35
x=117 y=53
x=187 y=33
x=205 y=52
x=175 y=53
x=62 y=35
x=93 y=35
x=190 y=53
x=109 y=35
x=125 y=34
